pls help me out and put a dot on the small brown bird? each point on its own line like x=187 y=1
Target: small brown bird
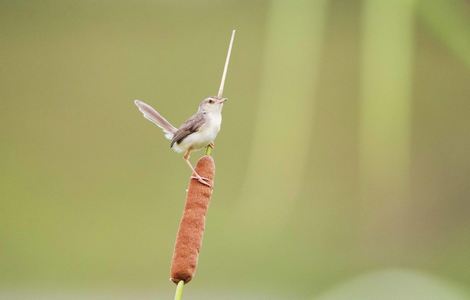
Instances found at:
x=198 y=131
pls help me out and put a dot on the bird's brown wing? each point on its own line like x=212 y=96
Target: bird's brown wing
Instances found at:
x=191 y=125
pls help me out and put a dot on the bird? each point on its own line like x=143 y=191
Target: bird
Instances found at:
x=200 y=130
x=197 y=132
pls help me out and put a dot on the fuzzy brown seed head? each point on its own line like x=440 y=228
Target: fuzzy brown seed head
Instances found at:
x=191 y=229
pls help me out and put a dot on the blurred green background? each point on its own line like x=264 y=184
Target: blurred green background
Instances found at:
x=343 y=167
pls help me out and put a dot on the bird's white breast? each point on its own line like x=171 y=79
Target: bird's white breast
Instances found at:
x=204 y=136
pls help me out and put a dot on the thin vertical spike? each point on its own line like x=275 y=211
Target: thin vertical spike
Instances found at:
x=224 y=74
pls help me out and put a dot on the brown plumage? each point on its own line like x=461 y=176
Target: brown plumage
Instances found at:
x=193 y=124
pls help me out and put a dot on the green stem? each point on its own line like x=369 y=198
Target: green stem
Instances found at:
x=179 y=290
x=208 y=150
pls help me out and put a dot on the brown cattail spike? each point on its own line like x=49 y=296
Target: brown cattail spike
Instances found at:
x=191 y=229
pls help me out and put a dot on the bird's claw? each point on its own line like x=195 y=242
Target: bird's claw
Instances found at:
x=211 y=145
x=203 y=180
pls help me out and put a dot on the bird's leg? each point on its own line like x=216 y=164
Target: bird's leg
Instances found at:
x=195 y=175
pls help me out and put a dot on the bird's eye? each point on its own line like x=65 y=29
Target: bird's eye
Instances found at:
x=211 y=101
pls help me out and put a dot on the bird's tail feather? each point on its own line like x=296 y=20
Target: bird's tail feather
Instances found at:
x=153 y=116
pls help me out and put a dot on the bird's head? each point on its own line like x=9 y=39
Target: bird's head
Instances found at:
x=212 y=104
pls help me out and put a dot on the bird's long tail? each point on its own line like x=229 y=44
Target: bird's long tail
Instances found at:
x=153 y=116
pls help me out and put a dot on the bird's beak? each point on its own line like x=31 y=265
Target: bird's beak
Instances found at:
x=222 y=100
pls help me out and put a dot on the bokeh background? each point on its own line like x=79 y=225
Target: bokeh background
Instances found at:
x=343 y=164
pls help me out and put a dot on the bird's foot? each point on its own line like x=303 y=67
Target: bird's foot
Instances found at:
x=203 y=180
x=211 y=145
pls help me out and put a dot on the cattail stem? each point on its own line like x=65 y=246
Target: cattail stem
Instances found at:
x=179 y=290
x=191 y=229
x=227 y=60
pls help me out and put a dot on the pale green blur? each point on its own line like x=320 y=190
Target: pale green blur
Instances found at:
x=343 y=163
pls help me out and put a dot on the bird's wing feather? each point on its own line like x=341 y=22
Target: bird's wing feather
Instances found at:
x=153 y=116
x=191 y=125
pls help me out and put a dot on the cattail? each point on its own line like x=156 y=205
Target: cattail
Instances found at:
x=191 y=229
